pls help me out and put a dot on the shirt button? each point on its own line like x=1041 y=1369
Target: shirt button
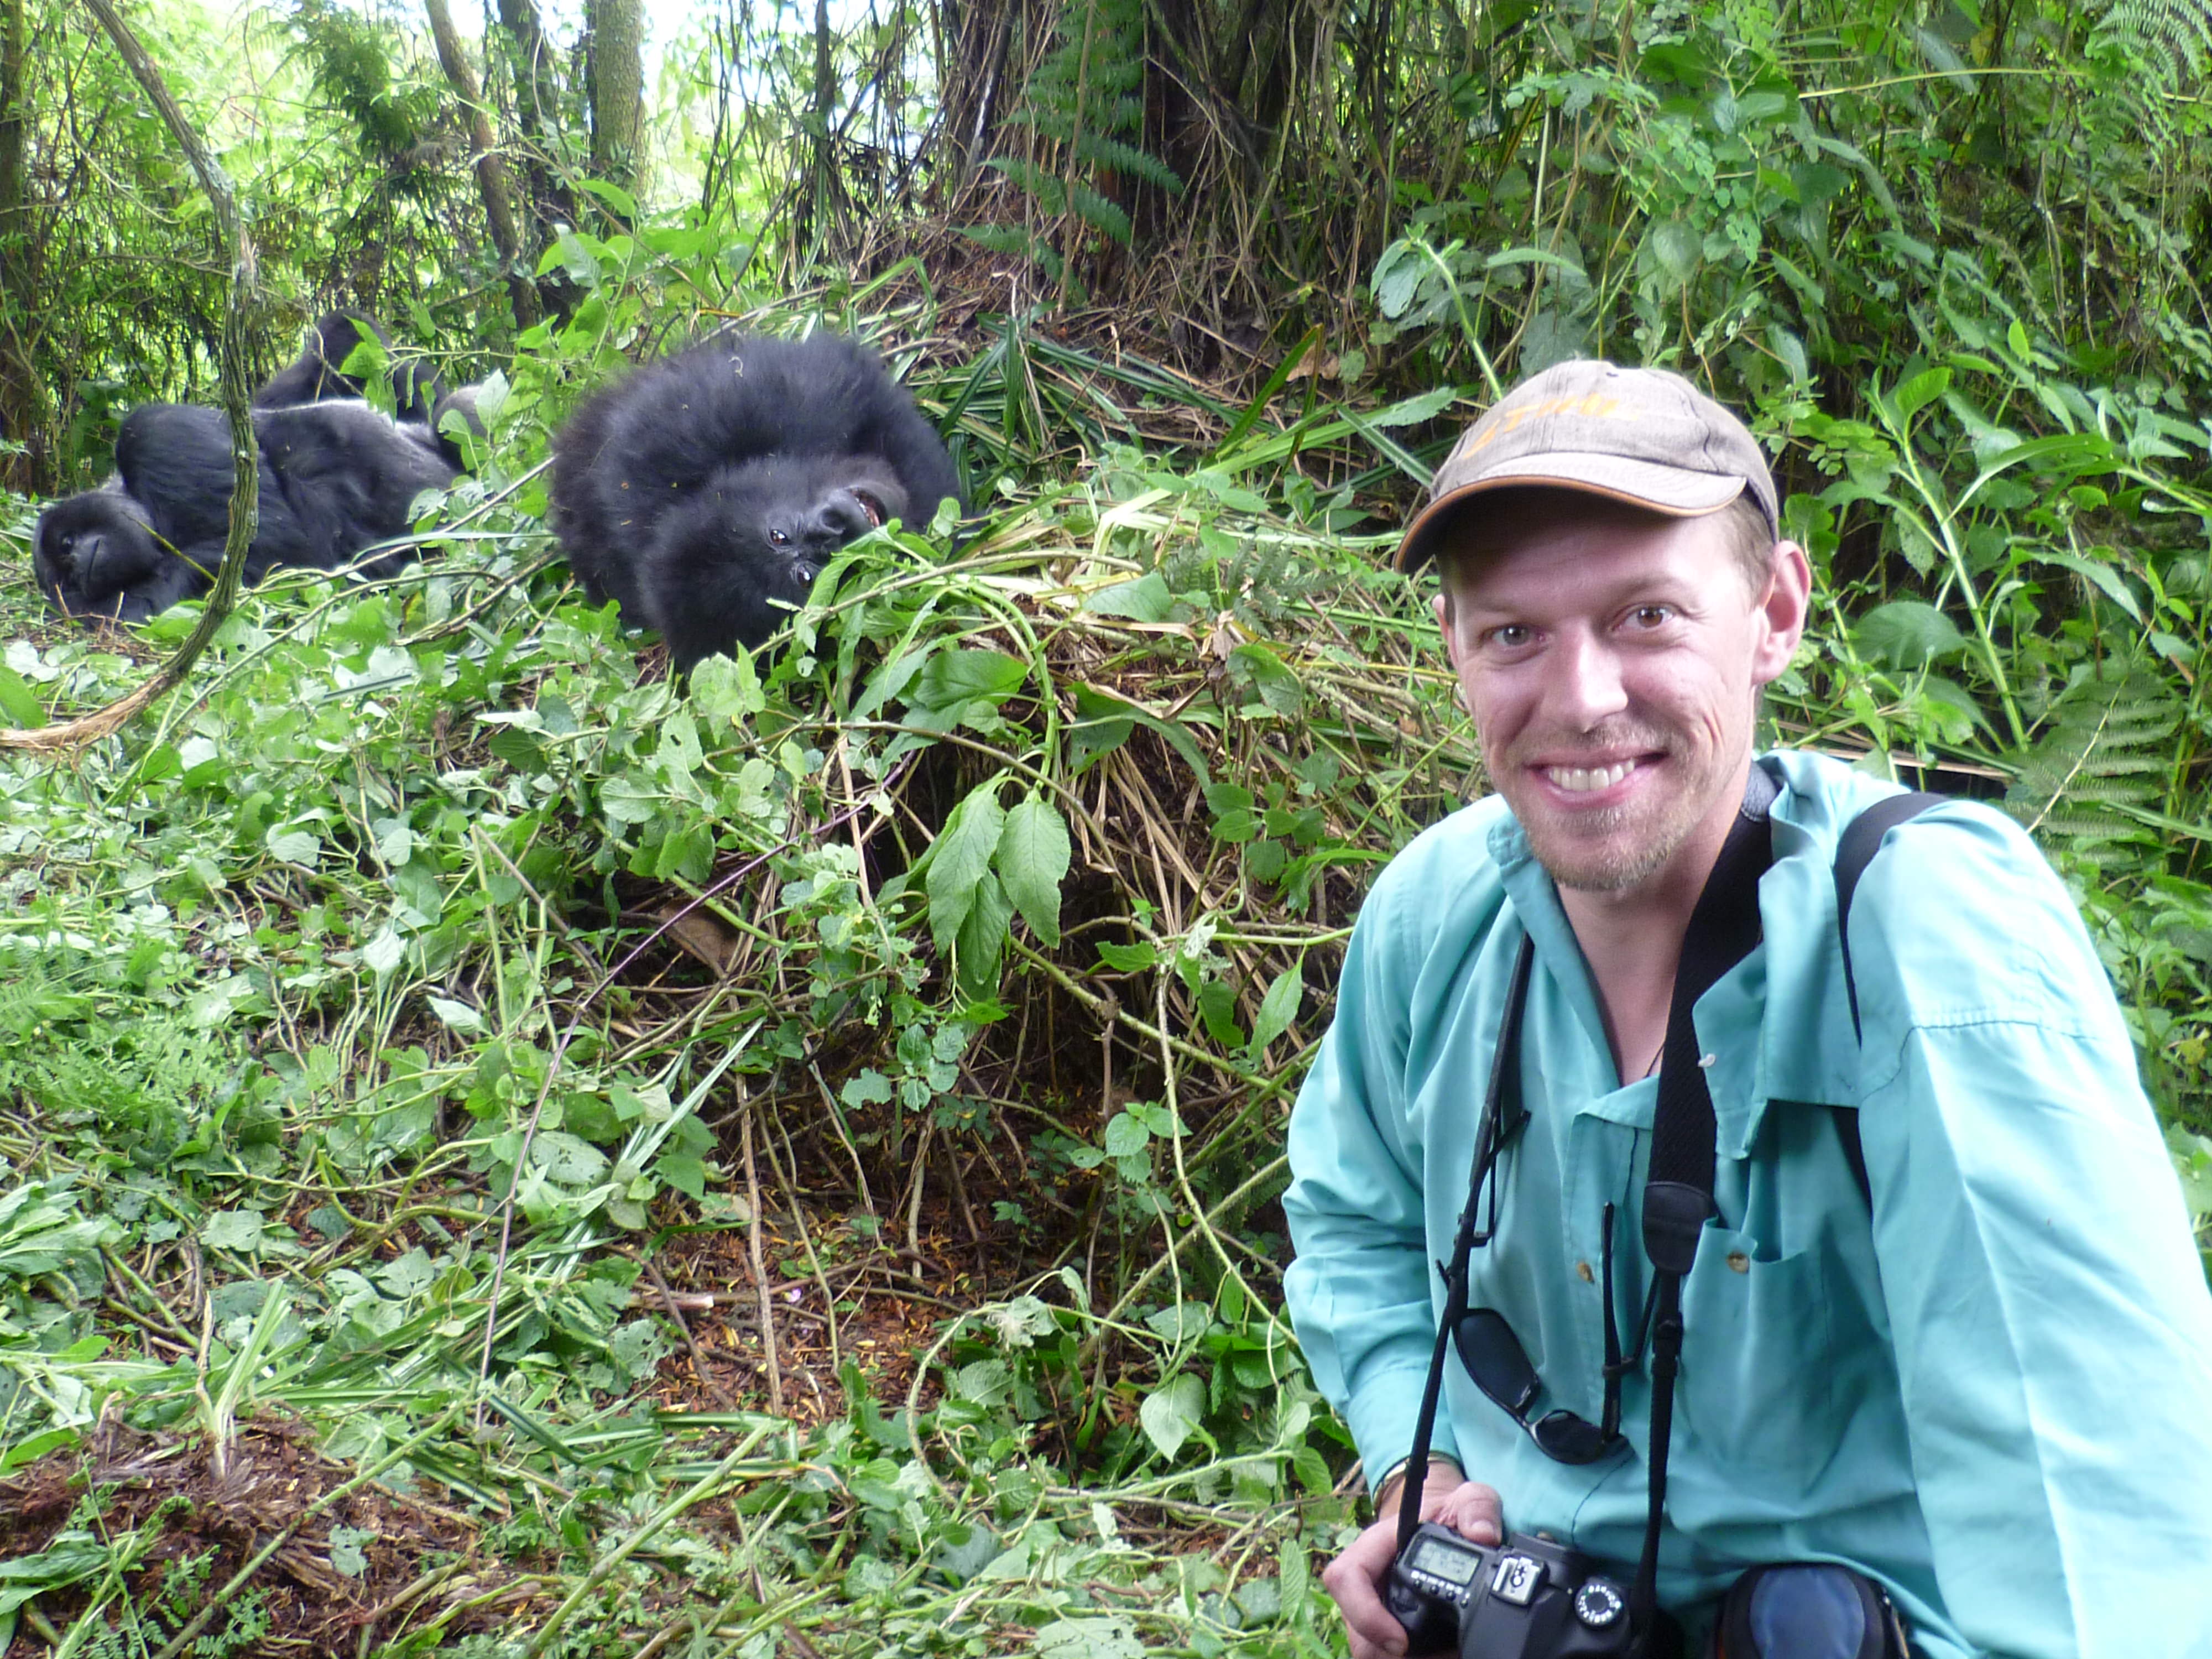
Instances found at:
x=1739 y=1262
x=1584 y=1268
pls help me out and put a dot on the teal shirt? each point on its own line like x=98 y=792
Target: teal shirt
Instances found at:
x=1995 y=1395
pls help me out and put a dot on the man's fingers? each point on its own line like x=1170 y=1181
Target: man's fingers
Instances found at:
x=1354 y=1580
x=1473 y=1511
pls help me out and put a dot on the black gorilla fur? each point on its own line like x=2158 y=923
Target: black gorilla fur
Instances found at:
x=705 y=492
x=335 y=477
x=318 y=373
x=419 y=398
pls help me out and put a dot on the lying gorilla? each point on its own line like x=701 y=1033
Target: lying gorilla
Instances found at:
x=318 y=373
x=335 y=478
x=418 y=397
x=707 y=491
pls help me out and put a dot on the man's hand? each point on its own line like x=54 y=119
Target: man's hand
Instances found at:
x=1354 y=1579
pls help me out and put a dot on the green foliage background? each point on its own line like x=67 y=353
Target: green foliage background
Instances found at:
x=354 y=1075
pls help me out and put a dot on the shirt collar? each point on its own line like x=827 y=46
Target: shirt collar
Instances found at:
x=1775 y=1025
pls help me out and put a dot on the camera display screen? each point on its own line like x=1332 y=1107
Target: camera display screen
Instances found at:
x=1436 y=1556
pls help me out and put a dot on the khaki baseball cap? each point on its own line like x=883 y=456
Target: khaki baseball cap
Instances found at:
x=1641 y=436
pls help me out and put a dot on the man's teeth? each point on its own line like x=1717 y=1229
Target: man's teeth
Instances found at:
x=1583 y=780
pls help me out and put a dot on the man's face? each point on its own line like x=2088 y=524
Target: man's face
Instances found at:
x=1611 y=658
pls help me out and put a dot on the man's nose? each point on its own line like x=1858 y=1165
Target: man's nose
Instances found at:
x=1585 y=683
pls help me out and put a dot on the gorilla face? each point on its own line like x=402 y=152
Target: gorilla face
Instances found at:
x=743 y=553
x=705 y=492
x=96 y=556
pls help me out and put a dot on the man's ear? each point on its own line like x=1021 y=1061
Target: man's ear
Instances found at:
x=1444 y=610
x=1783 y=608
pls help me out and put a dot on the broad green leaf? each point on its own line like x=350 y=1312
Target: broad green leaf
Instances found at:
x=1128 y=958
x=1171 y=1412
x=1908 y=634
x=982 y=940
x=1125 y=1135
x=458 y=1016
x=1676 y=248
x=1917 y=394
x=19 y=702
x=233 y=1229
x=2107 y=581
x=1110 y=1637
x=961 y=858
x=1033 y=860
x=1278 y=1008
x=1146 y=599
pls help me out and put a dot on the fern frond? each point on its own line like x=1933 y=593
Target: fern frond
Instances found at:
x=2108 y=744
x=1100 y=214
x=1111 y=152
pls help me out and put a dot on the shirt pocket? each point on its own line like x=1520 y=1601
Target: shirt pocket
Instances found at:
x=1756 y=1392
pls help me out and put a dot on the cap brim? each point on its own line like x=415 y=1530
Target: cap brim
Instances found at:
x=1673 y=490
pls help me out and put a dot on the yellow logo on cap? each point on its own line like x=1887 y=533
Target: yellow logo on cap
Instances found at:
x=1595 y=405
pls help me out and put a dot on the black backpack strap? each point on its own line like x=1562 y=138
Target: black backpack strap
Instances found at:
x=1854 y=850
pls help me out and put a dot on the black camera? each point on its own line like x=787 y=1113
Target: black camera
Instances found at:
x=1527 y=1598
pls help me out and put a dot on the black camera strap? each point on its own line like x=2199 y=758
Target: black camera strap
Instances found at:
x=1501 y=1116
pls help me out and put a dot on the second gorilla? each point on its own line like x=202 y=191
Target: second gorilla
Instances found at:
x=707 y=491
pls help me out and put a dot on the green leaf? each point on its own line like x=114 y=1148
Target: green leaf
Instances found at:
x=1278 y=1008
x=1111 y=1637
x=961 y=858
x=1033 y=859
x=346 y=1553
x=1917 y=394
x=458 y=1016
x=964 y=687
x=1676 y=248
x=19 y=703
x=1129 y=959
x=1125 y=1135
x=1171 y=1412
x=1146 y=599
x=982 y=938
x=2107 y=581
x=1908 y=634
x=233 y=1229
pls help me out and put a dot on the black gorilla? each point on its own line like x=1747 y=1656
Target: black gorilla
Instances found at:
x=318 y=373
x=419 y=398
x=335 y=477
x=707 y=491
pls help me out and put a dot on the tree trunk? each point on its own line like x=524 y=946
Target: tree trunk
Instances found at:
x=491 y=172
x=537 y=106
x=618 y=91
x=24 y=414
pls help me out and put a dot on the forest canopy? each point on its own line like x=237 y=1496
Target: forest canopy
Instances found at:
x=513 y=1152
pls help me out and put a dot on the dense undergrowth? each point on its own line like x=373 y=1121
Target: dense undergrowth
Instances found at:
x=787 y=1163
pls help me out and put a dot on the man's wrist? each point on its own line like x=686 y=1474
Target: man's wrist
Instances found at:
x=1393 y=1484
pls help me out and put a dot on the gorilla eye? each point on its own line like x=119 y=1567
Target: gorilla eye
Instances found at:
x=778 y=538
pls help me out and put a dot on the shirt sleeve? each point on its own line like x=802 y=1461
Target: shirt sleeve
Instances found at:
x=1359 y=1291
x=2051 y=1324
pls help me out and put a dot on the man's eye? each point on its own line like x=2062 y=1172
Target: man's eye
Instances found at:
x=1512 y=636
x=1651 y=616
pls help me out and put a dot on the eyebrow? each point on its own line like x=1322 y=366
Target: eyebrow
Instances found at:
x=1662 y=590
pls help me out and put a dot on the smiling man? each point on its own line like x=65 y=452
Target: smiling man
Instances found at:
x=1946 y=1350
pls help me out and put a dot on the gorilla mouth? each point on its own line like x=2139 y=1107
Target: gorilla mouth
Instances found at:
x=872 y=508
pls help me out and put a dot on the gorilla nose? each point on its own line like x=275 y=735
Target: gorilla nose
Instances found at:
x=86 y=556
x=842 y=517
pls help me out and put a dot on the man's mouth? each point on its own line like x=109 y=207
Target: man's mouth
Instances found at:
x=1588 y=780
